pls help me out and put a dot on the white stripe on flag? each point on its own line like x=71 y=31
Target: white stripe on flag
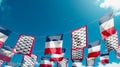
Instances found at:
x=3 y=37
x=104 y=57
x=76 y=64
x=46 y=62
x=94 y=49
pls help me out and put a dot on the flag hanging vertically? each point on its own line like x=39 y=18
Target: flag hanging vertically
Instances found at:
x=4 y=33
x=58 y=57
x=94 y=49
x=79 y=42
x=63 y=63
x=54 y=44
x=90 y=62
x=76 y=63
x=29 y=61
x=104 y=58
x=1 y=62
x=107 y=25
x=112 y=42
x=45 y=62
x=24 y=45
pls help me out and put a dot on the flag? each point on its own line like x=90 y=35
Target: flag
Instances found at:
x=118 y=52
x=5 y=55
x=104 y=58
x=58 y=57
x=29 y=61
x=112 y=42
x=24 y=45
x=94 y=49
x=4 y=33
x=54 y=44
x=76 y=63
x=45 y=62
x=63 y=63
x=1 y=62
x=107 y=25
x=11 y=64
x=90 y=62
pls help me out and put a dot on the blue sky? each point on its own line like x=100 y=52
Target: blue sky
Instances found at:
x=49 y=17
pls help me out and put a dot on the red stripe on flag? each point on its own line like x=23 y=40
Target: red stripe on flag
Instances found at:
x=1 y=43
x=5 y=58
x=53 y=50
x=45 y=65
x=56 y=59
x=108 y=32
x=93 y=54
x=104 y=61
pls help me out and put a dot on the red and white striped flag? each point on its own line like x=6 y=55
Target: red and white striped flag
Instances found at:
x=58 y=57
x=104 y=58
x=45 y=62
x=94 y=49
x=54 y=44
x=107 y=25
x=4 y=33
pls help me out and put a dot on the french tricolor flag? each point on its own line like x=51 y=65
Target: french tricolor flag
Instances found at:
x=45 y=62
x=94 y=49
x=104 y=58
x=54 y=44
x=107 y=25
x=4 y=33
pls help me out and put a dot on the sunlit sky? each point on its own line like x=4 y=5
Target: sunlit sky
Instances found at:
x=49 y=17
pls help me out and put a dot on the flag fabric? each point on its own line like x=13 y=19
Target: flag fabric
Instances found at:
x=112 y=42
x=11 y=64
x=107 y=25
x=90 y=62
x=29 y=61
x=58 y=57
x=118 y=52
x=4 y=33
x=45 y=62
x=104 y=58
x=76 y=63
x=94 y=49
x=54 y=44
x=24 y=45
x=5 y=55
x=1 y=62
x=63 y=63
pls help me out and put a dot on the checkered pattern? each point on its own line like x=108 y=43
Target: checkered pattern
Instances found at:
x=77 y=54
x=90 y=61
x=24 y=44
x=63 y=63
x=112 y=42
x=29 y=61
x=1 y=62
x=79 y=38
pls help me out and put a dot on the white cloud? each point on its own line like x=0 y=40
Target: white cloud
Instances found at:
x=112 y=4
x=109 y=65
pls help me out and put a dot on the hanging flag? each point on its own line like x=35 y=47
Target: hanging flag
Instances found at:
x=24 y=45
x=112 y=42
x=90 y=62
x=4 y=33
x=118 y=52
x=54 y=44
x=104 y=58
x=79 y=42
x=107 y=25
x=29 y=61
x=1 y=62
x=45 y=62
x=94 y=49
x=5 y=55
x=76 y=63
x=63 y=63
x=58 y=57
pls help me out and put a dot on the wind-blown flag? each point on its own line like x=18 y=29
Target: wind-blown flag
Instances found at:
x=107 y=25
x=79 y=42
x=58 y=57
x=24 y=45
x=29 y=61
x=54 y=44
x=112 y=42
x=104 y=58
x=45 y=62
x=1 y=62
x=63 y=63
x=90 y=62
x=4 y=33
x=76 y=63
x=94 y=49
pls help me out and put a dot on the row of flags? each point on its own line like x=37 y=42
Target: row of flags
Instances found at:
x=53 y=46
